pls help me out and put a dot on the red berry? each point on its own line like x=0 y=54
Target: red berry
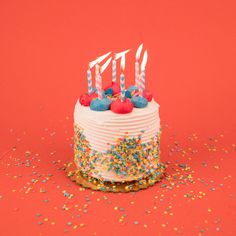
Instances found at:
x=147 y=95
x=86 y=99
x=120 y=107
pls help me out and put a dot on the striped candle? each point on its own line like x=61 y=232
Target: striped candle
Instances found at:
x=142 y=82
x=122 y=87
x=122 y=78
x=142 y=75
x=98 y=80
x=114 y=71
x=89 y=77
x=139 y=85
x=138 y=53
x=136 y=73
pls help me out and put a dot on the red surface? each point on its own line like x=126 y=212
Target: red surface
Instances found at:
x=44 y=50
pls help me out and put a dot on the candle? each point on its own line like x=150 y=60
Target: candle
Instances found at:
x=89 y=77
x=142 y=82
x=113 y=70
x=97 y=70
x=122 y=79
x=103 y=67
x=99 y=84
x=139 y=84
x=142 y=75
x=137 y=64
x=98 y=80
x=122 y=87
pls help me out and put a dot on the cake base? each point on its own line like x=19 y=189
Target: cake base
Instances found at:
x=95 y=184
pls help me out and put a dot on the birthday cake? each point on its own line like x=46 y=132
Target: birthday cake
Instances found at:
x=117 y=131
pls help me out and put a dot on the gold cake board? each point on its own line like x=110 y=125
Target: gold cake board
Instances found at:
x=95 y=184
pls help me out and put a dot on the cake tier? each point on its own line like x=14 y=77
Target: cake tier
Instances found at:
x=117 y=147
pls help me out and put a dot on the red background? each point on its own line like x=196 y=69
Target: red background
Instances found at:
x=45 y=47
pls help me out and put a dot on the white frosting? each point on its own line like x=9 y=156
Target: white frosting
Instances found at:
x=103 y=128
